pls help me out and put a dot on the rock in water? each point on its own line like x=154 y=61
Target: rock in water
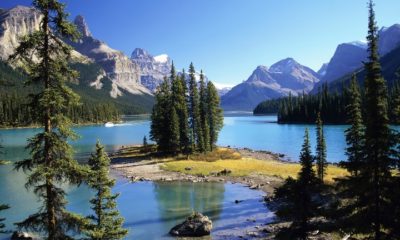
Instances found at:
x=196 y=225
x=21 y=236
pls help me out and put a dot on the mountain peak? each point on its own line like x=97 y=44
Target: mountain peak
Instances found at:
x=140 y=53
x=284 y=65
x=82 y=26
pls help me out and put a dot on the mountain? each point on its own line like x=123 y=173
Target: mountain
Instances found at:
x=104 y=72
x=123 y=73
x=349 y=57
x=284 y=77
x=152 y=69
x=390 y=65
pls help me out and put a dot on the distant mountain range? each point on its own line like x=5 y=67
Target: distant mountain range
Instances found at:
x=284 y=77
x=288 y=76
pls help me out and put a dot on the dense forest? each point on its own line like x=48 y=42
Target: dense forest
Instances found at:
x=96 y=105
x=330 y=104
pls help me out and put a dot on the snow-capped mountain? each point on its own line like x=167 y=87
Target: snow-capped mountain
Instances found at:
x=123 y=73
x=152 y=69
x=284 y=77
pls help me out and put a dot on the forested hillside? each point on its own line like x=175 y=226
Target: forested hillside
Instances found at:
x=96 y=105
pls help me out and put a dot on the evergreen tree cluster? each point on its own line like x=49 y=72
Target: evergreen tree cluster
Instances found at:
x=186 y=117
x=370 y=198
x=367 y=202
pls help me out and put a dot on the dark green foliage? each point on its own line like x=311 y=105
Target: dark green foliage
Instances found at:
x=321 y=150
x=215 y=114
x=373 y=203
x=106 y=222
x=355 y=133
x=194 y=111
x=184 y=121
x=204 y=114
x=179 y=103
x=368 y=202
x=268 y=107
x=298 y=198
x=51 y=162
x=159 y=129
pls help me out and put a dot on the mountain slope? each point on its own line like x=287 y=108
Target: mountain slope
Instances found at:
x=349 y=57
x=284 y=77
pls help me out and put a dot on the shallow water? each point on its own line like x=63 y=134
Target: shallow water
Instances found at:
x=151 y=209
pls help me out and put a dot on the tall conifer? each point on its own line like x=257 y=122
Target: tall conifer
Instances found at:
x=372 y=206
x=321 y=149
x=51 y=162
x=106 y=222
x=194 y=111
x=204 y=113
x=297 y=197
x=214 y=114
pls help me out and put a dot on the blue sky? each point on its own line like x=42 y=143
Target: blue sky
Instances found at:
x=229 y=38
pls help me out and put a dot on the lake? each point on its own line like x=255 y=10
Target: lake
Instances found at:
x=150 y=208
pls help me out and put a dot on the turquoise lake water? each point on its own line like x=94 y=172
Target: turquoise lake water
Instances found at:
x=151 y=209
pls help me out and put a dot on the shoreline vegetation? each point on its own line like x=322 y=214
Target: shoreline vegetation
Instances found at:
x=255 y=169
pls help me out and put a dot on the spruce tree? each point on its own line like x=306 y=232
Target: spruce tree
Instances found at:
x=204 y=113
x=181 y=110
x=214 y=114
x=51 y=162
x=159 y=129
x=297 y=197
x=321 y=150
x=174 y=106
x=194 y=111
x=372 y=205
x=106 y=222
x=355 y=133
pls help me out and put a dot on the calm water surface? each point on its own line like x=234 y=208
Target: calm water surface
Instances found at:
x=151 y=209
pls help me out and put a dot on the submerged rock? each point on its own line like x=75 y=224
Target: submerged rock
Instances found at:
x=196 y=225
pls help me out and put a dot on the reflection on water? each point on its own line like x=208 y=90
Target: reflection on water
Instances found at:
x=188 y=197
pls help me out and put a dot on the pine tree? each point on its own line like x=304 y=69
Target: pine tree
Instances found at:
x=145 y=141
x=204 y=114
x=321 y=150
x=174 y=107
x=51 y=161
x=214 y=114
x=106 y=222
x=194 y=111
x=174 y=141
x=297 y=197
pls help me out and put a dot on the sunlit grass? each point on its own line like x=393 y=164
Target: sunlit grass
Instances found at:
x=247 y=166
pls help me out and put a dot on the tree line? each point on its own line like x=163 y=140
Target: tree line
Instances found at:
x=51 y=163
x=366 y=203
x=187 y=116
x=331 y=105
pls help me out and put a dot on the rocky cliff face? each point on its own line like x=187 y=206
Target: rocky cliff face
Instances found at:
x=124 y=73
x=15 y=23
x=152 y=69
x=284 y=77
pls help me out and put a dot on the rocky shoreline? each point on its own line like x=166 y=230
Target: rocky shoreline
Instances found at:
x=147 y=169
